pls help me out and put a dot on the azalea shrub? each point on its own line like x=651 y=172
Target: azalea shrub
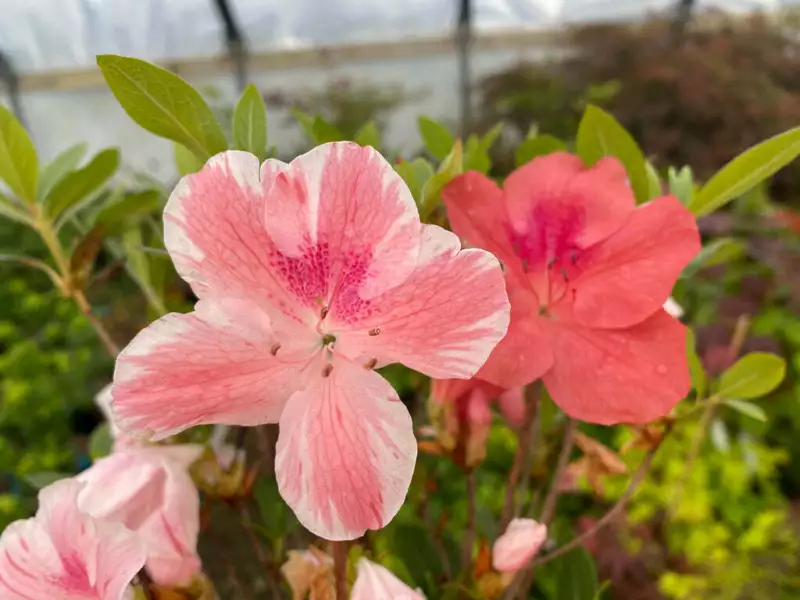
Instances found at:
x=343 y=376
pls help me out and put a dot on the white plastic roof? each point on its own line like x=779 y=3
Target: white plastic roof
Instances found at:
x=60 y=34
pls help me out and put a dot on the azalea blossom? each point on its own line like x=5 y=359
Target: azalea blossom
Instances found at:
x=150 y=491
x=310 y=275
x=587 y=274
x=518 y=545
x=309 y=574
x=65 y=554
x=374 y=582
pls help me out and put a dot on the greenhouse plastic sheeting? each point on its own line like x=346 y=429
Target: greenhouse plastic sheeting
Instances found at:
x=42 y=35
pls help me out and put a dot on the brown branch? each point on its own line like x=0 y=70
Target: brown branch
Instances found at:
x=86 y=309
x=551 y=500
x=339 y=551
x=468 y=541
x=520 y=457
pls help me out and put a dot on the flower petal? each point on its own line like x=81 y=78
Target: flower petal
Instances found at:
x=512 y=405
x=346 y=452
x=518 y=545
x=524 y=354
x=629 y=276
x=446 y=317
x=632 y=375
x=374 y=582
x=215 y=365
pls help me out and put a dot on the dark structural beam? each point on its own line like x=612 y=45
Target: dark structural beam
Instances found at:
x=234 y=40
x=464 y=40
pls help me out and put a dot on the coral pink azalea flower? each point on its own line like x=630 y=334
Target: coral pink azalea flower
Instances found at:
x=374 y=582
x=310 y=275
x=587 y=273
x=518 y=545
x=467 y=393
x=150 y=491
x=62 y=553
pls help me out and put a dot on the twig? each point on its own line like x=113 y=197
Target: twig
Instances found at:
x=339 y=551
x=102 y=333
x=523 y=447
x=468 y=541
x=551 y=500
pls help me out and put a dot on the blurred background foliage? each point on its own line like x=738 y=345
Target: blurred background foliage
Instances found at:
x=727 y=528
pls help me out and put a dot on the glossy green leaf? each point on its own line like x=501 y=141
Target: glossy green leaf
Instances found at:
x=599 y=135
x=13 y=211
x=654 y=189
x=436 y=137
x=577 y=576
x=19 y=166
x=326 y=132
x=368 y=135
x=748 y=409
x=416 y=174
x=752 y=376
x=250 y=123
x=58 y=168
x=718 y=252
x=163 y=104
x=747 y=170
x=186 y=161
x=538 y=146
x=79 y=184
x=696 y=370
x=101 y=441
x=129 y=208
x=681 y=184
x=451 y=166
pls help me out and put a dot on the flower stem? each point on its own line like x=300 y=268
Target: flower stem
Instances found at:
x=521 y=456
x=468 y=541
x=551 y=500
x=339 y=551
x=105 y=337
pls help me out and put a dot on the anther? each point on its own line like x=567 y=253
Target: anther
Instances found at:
x=275 y=348
x=374 y=332
x=371 y=364
x=323 y=313
x=327 y=370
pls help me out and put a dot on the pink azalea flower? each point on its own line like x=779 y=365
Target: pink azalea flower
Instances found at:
x=374 y=582
x=311 y=274
x=469 y=393
x=64 y=554
x=587 y=273
x=150 y=491
x=518 y=545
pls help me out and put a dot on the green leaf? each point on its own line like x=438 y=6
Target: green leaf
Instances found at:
x=491 y=136
x=748 y=409
x=747 y=170
x=681 y=184
x=599 y=135
x=720 y=436
x=325 y=132
x=577 y=576
x=654 y=189
x=11 y=210
x=539 y=146
x=250 y=123
x=306 y=122
x=45 y=478
x=273 y=510
x=129 y=208
x=81 y=183
x=58 y=168
x=368 y=135
x=752 y=376
x=475 y=157
x=416 y=174
x=163 y=104
x=186 y=161
x=696 y=370
x=19 y=166
x=451 y=166
x=411 y=543
x=438 y=140
x=718 y=252
x=101 y=441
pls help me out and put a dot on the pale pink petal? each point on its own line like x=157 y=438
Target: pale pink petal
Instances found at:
x=512 y=405
x=219 y=364
x=672 y=308
x=611 y=376
x=374 y=582
x=443 y=320
x=629 y=276
x=518 y=545
x=345 y=453
x=524 y=354
x=344 y=220
x=65 y=554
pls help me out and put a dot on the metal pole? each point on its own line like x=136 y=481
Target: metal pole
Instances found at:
x=237 y=46
x=464 y=47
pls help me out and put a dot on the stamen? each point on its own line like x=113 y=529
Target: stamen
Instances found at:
x=323 y=313
x=327 y=370
x=374 y=332
x=328 y=338
x=371 y=364
x=275 y=348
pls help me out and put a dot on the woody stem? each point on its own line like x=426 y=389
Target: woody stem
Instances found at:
x=549 y=508
x=469 y=534
x=339 y=551
x=521 y=456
